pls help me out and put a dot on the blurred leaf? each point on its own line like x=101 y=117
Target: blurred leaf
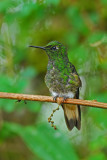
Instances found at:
x=97 y=156
x=79 y=54
x=94 y=17
x=101 y=97
x=104 y=2
x=41 y=139
x=97 y=36
x=29 y=72
x=72 y=38
x=55 y=2
x=99 y=142
x=103 y=65
x=9 y=84
x=76 y=20
x=33 y=106
x=15 y=85
x=101 y=119
x=7 y=105
x=50 y=143
x=4 y=4
x=9 y=130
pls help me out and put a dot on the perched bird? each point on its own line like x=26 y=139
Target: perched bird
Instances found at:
x=63 y=81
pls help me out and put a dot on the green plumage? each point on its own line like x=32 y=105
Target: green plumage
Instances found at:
x=61 y=74
x=63 y=81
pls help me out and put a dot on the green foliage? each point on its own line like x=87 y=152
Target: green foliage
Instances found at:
x=34 y=106
x=50 y=143
x=81 y=26
x=15 y=84
x=41 y=139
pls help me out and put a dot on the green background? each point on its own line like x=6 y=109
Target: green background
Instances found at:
x=81 y=26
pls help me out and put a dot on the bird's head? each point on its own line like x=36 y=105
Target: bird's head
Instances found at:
x=53 y=49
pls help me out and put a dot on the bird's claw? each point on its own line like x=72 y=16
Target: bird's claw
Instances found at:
x=64 y=98
x=55 y=98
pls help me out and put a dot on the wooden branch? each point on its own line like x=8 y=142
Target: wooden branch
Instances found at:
x=90 y=103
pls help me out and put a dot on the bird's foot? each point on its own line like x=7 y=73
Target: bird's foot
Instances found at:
x=64 y=98
x=59 y=101
x=55 y=98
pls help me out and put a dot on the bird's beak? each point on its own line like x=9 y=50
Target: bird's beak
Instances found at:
x=38 y=47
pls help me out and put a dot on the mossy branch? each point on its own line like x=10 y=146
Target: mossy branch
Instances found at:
x=28 y=97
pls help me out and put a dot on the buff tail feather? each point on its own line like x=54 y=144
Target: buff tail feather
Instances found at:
x=72 y=115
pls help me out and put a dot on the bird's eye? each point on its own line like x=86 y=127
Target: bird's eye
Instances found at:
x=55 y=48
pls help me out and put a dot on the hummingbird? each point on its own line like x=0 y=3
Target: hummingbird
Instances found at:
x=63 y=81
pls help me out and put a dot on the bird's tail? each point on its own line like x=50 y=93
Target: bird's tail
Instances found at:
x=72 y=115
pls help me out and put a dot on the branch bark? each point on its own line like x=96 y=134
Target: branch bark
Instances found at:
x=90 y=103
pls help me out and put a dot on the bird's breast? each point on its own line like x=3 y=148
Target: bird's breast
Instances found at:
x=58 y=82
